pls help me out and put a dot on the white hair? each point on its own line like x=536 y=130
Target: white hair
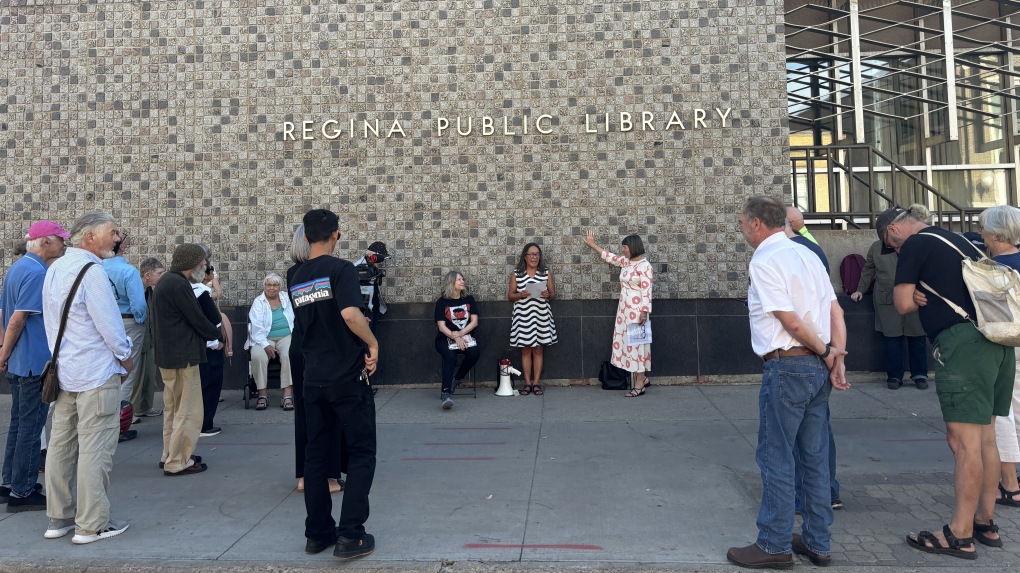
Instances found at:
x=86 y=224
x=272 y=278
x=1002 y=222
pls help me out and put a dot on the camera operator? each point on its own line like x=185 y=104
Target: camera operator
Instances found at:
x=370 y=276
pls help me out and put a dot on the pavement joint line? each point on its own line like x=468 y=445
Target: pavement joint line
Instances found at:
x=448 y=459
x=391 y=397
x=464 y=443
x=724 y=417
x=580 y=547
x=256 y=524
x=470 y=429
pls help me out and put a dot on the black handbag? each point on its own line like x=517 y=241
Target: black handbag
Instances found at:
x=50 y=381
x=613 y=378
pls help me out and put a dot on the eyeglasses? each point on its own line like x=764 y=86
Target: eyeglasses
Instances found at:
x=533 y=255
x=116 y=293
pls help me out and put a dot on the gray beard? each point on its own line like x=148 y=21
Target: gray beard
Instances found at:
x=197 y=276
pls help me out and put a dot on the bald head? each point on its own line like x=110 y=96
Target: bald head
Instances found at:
x=795 y=217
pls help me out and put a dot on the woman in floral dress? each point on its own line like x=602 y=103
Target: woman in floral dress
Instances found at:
x=635 y=306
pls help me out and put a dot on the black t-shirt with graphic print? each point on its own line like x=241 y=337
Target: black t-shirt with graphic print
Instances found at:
x=320 y=289
x=456 y=312
x=924 y=257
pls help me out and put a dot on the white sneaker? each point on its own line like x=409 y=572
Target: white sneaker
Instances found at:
x=58 y=528
x=113 y=528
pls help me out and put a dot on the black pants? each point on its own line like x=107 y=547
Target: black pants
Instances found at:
x=348 y=405
x=211 y=373
x=471 y=355
x=337 y=462
x=917 y=353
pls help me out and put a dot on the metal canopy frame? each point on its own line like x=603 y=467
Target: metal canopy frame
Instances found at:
x=844 y=50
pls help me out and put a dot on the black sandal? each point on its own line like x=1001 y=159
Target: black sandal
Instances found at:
x=526 y=390
x=936 y=547
x=980 y=530
x=262 y=403
x=537 y=390
x=634 y=393
x=1006 y=497
x=288 y=403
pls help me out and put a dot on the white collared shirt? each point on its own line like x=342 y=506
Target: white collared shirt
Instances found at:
x=785 y=276
x=94 y=340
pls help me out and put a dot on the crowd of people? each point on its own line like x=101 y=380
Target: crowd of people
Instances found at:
x=74 y=303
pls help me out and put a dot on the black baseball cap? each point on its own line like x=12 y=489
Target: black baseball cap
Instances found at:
x=379 y=248
x=882 y=223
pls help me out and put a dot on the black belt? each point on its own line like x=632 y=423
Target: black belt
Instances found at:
x=795 y=351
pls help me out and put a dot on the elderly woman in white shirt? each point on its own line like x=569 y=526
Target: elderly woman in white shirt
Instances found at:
x=272 y=321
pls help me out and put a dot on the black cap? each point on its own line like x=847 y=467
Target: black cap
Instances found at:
x=379 y=248
x=975 y=239
x=882 y=224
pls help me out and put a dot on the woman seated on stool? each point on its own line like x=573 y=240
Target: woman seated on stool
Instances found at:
x=272 y=320
x=456 y=316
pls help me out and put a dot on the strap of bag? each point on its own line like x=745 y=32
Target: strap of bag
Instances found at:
x=67 y=309
x=959 y=310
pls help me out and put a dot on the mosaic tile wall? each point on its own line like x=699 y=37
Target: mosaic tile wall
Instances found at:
x=170 y=114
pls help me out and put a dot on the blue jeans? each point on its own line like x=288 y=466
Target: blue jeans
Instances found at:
x=28 y=416
x=833 y=482
x=917 y=355
x=793 y=434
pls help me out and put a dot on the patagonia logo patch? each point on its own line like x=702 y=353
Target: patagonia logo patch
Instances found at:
x=311 y=291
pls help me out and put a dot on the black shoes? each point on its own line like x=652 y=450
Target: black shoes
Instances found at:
x=314 y=546
x=210 y=432
x=128 y=436
x=894 y=384
x=351 y=548
x=5 y=494
x=35 y=501
x=921 y=383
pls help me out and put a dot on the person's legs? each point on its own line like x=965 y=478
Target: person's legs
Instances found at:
x=449 y=363
x=813 y=451
x=259 y=368
x=357 y=413
x=12 y=430
x=98 y=429
x=537 y=360
x=1008 y=449
x=136 y=332
x=471 y=356
x=187 y=420
x=62 y=458
x=833 y=482
x=211 y=375
x=526 y=363
x=917 y=356
x=966 y=442
x=300 y=433
x=27 y=405
x=172 y=386
x=145 y=382
x=894 y=357
x=321 y=429
x=990 y=474
x=788 y=388
x=286 y=376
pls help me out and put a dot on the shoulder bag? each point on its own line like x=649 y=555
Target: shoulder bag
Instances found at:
x=613 y=377
x=50 y=381
x=995 y=291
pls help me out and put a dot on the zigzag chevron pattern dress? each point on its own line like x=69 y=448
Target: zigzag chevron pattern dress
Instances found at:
x=532 y=321
x=635 y=298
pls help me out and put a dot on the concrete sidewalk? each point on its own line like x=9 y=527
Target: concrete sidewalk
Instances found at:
x=579 y=478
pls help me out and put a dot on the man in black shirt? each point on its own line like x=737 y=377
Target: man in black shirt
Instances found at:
x=973 y=376
x=339 y=352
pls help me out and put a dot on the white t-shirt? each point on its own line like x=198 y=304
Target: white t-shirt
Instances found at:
x=785 y=276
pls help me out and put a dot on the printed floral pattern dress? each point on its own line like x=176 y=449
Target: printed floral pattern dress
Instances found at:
x=635 y=298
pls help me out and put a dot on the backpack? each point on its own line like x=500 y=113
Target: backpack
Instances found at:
x=850 y=274
x=995 y=291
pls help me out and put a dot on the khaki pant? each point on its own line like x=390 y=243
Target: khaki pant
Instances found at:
x=260 y=362
x=144 y=391
x=81 y=447
x=182 y=416
x=136 y=332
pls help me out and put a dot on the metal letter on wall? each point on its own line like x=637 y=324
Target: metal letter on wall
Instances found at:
x=947 y=31
x=855 y=54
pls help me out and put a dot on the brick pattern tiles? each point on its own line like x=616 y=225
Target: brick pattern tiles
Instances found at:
x=170 y=115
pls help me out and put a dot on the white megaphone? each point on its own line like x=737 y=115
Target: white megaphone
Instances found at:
x=505 y=387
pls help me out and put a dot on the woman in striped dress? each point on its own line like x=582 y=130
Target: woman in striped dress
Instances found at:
x=531 y=325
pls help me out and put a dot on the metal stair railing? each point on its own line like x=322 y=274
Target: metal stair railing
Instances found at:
x=843 y=172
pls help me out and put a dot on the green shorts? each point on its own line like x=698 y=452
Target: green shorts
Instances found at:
x=973 y=377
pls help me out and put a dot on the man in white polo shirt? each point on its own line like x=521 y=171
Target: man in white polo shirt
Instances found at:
x=797 y=328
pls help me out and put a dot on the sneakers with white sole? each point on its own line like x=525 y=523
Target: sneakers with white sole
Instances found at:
x=113 y=528
x=58 y=528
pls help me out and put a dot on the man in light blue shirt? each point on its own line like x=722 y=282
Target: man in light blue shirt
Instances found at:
x=127 y=287
x=23 y=354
